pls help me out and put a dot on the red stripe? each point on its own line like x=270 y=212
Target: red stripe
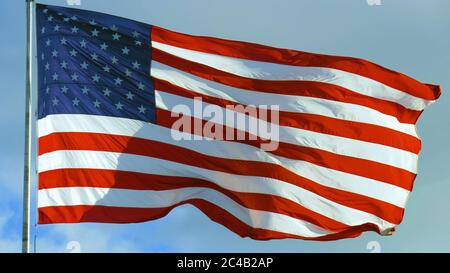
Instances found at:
x=263 y=53
x=317 y=123
x=295 y=88
x=140 y=181
x=358 y=166
x=130 y=145
x=103 y=214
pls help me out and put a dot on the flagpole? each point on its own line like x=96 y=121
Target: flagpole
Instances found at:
x=28 y=118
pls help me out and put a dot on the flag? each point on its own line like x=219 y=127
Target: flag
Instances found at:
x=135 y=120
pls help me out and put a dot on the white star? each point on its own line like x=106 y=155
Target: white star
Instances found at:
x=138 y=43
x=83 y=43
x=135 y=34
x=50 y=18
x=125 y=50
x=118 y=81
x=127 y=72
x=130 y=95
x=95 y=33
x=73 y=53
x=55 y=76
x=96 y=103
x=85 y=90
x=47 y=90
x=74 y=29
x=107 y=92
x=94 y=56
x=54 y=53
x=141 y=86
x=63 y=41
x=43 y=30
x=66 y=19
x=116 y=36
x=48 y=42
x=47 y=66
x=64 y=89
x=103 y=46
x=74 y=18
x=114 y=28
x=92 y=22
x=84 y=65
x=119 y=106
x=141 y=109
x=106 y=68
x=55 y=101
x=56 y=28
x=95 y=78
x=45 y=11
x=42 y=56
x=74 y=77
x=75 y=102
x=136 y=65
x=64 y=64
x=114 y=60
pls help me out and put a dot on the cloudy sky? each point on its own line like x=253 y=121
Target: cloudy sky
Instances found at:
x=411 y=36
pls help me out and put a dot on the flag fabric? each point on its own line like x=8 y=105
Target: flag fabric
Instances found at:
x=109 y=87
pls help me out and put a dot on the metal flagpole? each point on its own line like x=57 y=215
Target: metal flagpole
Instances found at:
x=28 y=118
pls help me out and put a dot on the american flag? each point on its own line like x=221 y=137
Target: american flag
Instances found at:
x=347 y=147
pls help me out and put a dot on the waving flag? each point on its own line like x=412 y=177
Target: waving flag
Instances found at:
x=111 y=150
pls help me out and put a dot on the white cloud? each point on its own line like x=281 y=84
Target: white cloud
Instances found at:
x=9 y=241
x=56 y=238
x=89 y=237
x=11 y=176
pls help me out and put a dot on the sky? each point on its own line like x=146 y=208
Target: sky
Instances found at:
x=409 y=36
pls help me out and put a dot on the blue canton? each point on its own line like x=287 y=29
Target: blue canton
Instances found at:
x=93 y=63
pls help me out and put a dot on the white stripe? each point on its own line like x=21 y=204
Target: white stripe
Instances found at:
x=288 y=103
x=339 y=145
x=240 y=183
x=224 y=149
x=272 y=71
x=159 y=199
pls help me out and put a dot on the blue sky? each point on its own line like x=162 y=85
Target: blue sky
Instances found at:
x=410 y=36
